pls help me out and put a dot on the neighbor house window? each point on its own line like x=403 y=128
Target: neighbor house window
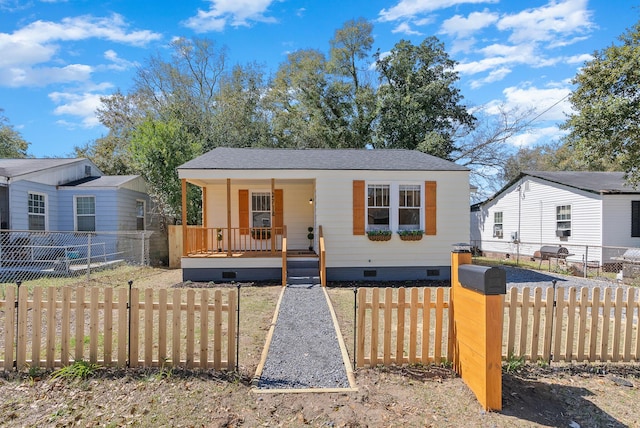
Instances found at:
x=563 y=220
x=378 y=204
x=261 y=209
x=140 y=214
x=497 y=225
x=37 y=211
x=409 y=207
x=85 y=213
x=635 y=219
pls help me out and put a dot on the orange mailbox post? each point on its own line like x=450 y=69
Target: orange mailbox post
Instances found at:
x=477 y=295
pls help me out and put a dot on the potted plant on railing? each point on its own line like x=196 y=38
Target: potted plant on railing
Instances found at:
x=379 y=234
x=219 y=238
x=411 y=234
x=310 y=237
x=261 y=233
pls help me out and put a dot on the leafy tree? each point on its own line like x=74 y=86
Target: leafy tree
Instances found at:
x=303 y=114
x=420 y=108
x=240 y=118
x=606 y=122
x=349 y=65
x=157 y=149
x=12 y=145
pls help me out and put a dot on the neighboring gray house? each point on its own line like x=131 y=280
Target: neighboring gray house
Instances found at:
x=69 y=195
x=590 y=213
x=73 y=195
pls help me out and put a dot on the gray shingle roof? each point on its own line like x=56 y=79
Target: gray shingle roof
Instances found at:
x=320 y=159
x=16 y=167
x=103 y=181
x=590 y=181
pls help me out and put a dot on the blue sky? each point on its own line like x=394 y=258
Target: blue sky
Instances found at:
x=58 y=57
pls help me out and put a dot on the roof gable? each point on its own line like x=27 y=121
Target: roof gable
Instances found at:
x=225 y=158
x=15 y=167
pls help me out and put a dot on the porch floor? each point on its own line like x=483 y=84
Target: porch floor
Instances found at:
x=254 y=254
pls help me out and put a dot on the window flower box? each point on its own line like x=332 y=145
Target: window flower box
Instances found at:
x=410 y=235
x=379 y=235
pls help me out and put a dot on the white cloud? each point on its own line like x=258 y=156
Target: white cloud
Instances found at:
x=117 y=63
x=405 y=28
x=556 y=20
x=30 y=54
x=579 y=59
x=112 y=28
x=494 y=76
x=229 y=12
x=459 y=26
x=551 y=103
x=537 y=136
x=42 y=76
x=406 y=9
x=82 y=105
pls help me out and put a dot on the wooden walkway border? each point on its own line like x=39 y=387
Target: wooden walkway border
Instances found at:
x=50 y=327
x=583 y=325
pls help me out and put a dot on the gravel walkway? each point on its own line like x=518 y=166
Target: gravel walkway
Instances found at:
x=304 y=350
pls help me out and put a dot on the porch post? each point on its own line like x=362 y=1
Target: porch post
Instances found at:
x=273 y=215
x=205 y=232
x=228 y=217
x=184 y=218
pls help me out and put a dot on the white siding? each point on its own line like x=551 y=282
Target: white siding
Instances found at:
x=532 y=211
x=333 y=209
x=334 y=212
x=62 y=174
x=298 y=213
x=616 y=223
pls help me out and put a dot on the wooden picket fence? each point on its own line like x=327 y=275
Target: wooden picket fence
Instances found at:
x=49 y=327
x=586 y=325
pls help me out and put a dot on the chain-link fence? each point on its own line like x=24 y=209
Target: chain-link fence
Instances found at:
x=28 y=255
x=605 y=262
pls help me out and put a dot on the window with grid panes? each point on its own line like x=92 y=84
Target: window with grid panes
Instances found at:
x=37 y=211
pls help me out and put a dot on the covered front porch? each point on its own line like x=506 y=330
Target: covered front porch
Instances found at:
x=251 y=218
x=250 y=227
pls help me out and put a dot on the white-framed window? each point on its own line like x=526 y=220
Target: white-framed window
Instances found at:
x=409 y=204
x=37 y=211
x=261 y=209
x=563 y=220
x=395 y=206
x=497 y=225
x=378 y=206
x=140 y=214
x=85 y=213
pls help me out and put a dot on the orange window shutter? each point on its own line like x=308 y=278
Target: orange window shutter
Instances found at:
x=358 y=207
x=243 y=211
x=430 y=207
x=278 y=209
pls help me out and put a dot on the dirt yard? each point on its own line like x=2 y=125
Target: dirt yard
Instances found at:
x=560 y=395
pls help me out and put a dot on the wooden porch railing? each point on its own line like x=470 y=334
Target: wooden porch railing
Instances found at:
x=210 y=240
x=323 y=258
x=284 y=256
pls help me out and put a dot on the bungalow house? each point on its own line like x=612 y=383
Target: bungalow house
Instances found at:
x=592 y=214
x=70 y=195
x=340 y=210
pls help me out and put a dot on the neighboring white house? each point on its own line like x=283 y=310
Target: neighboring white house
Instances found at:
x=252 y=198
x=572 y=209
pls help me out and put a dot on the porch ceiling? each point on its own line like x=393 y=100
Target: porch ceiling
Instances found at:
x=251 y=181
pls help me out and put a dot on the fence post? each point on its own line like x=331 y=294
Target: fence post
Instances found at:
x=17 y=306
x=553 y=315
x=238 y=330
x=355 y=323
x=586 y=261
x=129 y=328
